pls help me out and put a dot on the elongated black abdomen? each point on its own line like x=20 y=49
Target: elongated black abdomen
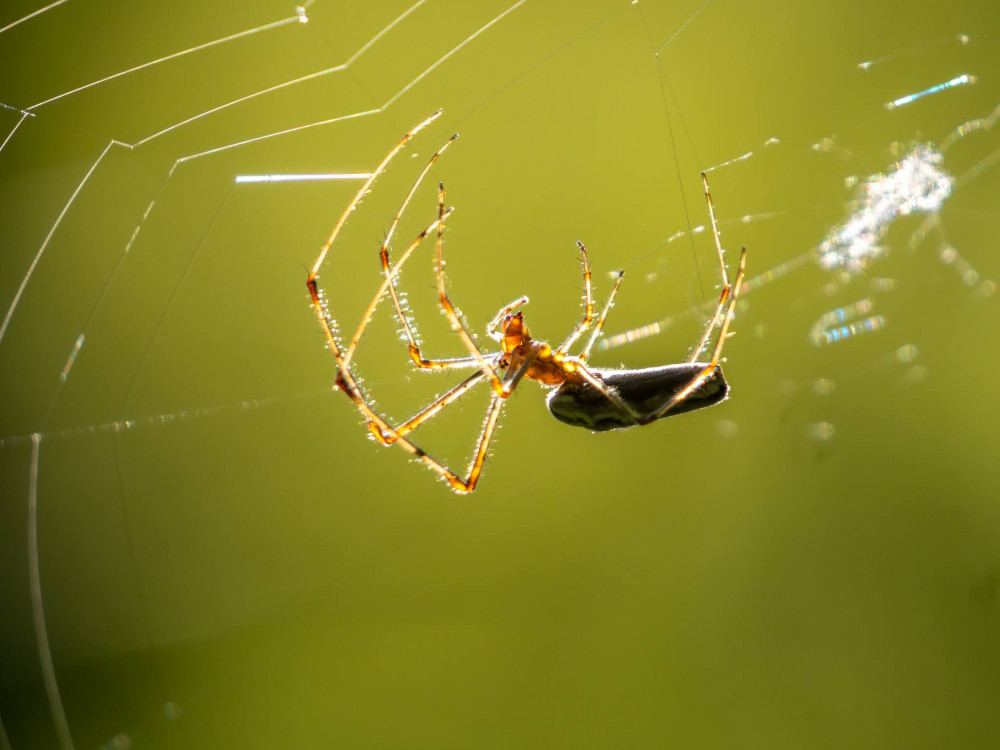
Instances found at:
x=644 y=390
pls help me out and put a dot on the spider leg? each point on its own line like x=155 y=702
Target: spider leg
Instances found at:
x=435 y=408
x=314 y=272
x=715 y=230
x=446 y=304
x=493 y=329
x=709 y=368
x=517 y=368
x=714 y=320
x=600 y=320
x=486 y=368
x=380 y=429
x=404 y=321
x=319 y=305
x=387 y=281
x=346 y=382
x=588 y=306
x=575 y=364
x=457 y=483
x=610 y=394
x=386 y=434
x=485 y=437
x=712 y=323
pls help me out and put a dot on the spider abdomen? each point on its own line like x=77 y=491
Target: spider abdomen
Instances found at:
x=582 y=405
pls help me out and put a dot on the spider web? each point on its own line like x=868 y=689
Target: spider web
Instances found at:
x=168 y=434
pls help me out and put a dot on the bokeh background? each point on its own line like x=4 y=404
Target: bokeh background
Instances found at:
x=224 y=560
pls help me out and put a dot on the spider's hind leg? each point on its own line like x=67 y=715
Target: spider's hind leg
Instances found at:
x=726 y=289
x=709 y=368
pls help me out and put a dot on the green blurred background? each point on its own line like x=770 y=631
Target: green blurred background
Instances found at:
x=226 y=561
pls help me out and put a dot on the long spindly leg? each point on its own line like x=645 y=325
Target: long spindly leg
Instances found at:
x=387 y=281
x=345 y=378
x=588 y=306
x=709 y=368
x=600 y=320
x=715 y=230
x=314 y=272
x=457 y=483
x=449 y=309
x=468 y=484
x=348 y=384
x=386 y=434
x=714 y=320
x=485 y=437
x=498 y=399
x=469 y=481
x=319 y=304
x=414 y=347
x=435 y=408
x=710 y=326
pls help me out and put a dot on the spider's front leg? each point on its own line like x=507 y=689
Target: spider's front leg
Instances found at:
x=449 y=309
x=388 y=272
x=488 y=364
x=349 y=384
x=709 y=368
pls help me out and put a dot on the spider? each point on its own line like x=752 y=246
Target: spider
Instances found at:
x=587 y=397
